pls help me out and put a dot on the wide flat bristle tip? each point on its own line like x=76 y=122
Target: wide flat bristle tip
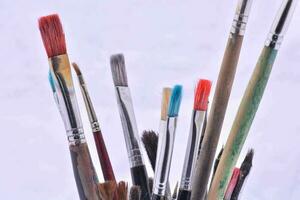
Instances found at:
x=117 y=63
x=175 y=101
x=201 y=95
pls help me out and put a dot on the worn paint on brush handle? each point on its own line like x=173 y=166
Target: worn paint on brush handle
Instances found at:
x=216 y=117
x=140 y=178
x=106 y=166
x=242 y=122
x=84 y=172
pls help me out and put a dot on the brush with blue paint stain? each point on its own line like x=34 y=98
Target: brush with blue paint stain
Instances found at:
x=165 y=146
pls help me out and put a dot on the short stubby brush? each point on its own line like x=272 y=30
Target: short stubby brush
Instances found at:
x=62 y=87
x=165 y=146
x=198 y=116
x=130 y=130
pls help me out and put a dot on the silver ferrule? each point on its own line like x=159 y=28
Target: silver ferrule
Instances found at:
x=129 y=125
x=192 y=149
x=88 y=104
x=66 y=98
x=281 y=23
x=164 y=156
x=241 y=17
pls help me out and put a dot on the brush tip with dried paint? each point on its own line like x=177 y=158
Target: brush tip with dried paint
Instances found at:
x=202 y=94
x=135 y=193
x=76 y=68
x=165 y=103
x=52 y=35
x=175 y=101
x=117 y=63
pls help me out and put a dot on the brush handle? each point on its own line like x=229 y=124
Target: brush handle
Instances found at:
x=157 y=197
x=106 y=166
x=140 y=178
x=84 y=172
x=184 y=195
x=242 y=122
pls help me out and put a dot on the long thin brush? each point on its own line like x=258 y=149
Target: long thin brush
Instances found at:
x=220 y=100
x=165 y=147
x=245 y=170
x=135 y=193
x=150 y=141
x=60 y=73
x=130 y=130
x=232 y=183
x=251 y=99
x=103 y=156
x=175 y=192
x=107 y=190
x=198 y=117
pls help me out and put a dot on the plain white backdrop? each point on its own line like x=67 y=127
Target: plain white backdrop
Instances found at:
x=165 y=43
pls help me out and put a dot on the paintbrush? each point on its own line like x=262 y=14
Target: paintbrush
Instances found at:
x=107 y=190
x=130 y=130
x=150 y=141
x=175 y=192
x=150 y=181
x=220 y=100
x=135 y=193
x=198 y=117
x=103 y=156
x=122 y=191
x=54 y=41
x=251 y=99
x=232 y=183
x=165 y=146
x=245 y=170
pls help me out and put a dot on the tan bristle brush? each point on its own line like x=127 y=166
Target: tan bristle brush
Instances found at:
x=107 y=190
x=60 y=73
x=122 y=191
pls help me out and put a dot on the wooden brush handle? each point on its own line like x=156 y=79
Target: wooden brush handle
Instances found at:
x=242 y=122
x=106 y=166
x=84 y=172
x=216 y=117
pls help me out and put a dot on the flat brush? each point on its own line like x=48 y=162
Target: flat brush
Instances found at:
x=165 y=146
x=198 y=117
x=54 y=41
x=220 y=100
x=232 y=183
x=107 y=190
x=103 y=156
x=251 y=99
x=130 y=130
x=150 y=141
x=122 y=191
x=135 y=193
x=244 y=172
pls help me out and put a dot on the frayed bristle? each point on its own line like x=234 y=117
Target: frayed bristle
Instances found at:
x=150 y=141
x=107 y=190
x=52 y=35
x=165 y=103
x=233 y=181
x=76 y=68
x=122 y=191
x=117 y=63
x=175 y=101
x=135 y=193
x=247 y=163
x=51 y=81
x=175 y=192
x=202 y=94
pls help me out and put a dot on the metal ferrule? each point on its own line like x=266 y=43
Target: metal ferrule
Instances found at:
x=164 y=157
x=241 y=17
x=88 y=104
x=192 y=150
x=280 y=24
x=129 y=126
x=66 y=98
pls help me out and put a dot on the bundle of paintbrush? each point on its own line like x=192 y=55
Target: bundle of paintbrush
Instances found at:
x=200 y=163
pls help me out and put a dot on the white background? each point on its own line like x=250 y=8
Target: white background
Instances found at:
x=164 y=42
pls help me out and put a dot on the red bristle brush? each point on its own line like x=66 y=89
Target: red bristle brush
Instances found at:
x=233 y=181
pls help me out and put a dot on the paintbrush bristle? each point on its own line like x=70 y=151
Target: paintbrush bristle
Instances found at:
x=150 y=141
x=76 y=68
x=107 y=190
x=165 y=103
x=52 y=35
x=202 y=94
x=175 y=101
x=175 y=192
x=122 y=191
x=135 y=193
x=247 y=163
x=117 y=63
